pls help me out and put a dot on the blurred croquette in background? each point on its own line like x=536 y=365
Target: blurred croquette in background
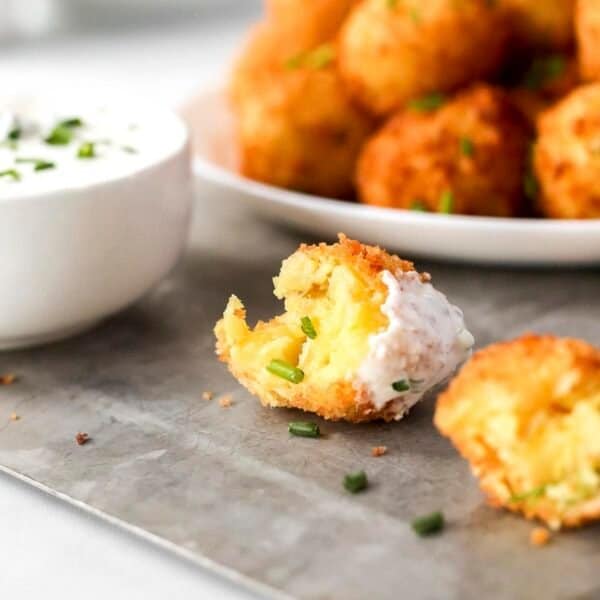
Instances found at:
x=430 y=105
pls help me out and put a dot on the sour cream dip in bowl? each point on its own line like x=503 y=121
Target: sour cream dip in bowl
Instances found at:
x=95 y=200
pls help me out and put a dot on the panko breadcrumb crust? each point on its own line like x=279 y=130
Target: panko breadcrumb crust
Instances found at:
x=566 y=156
x=506 y=364
x=341 y=400
x=417 y=157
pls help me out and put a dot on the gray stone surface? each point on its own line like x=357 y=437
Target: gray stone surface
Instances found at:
x=229 y=487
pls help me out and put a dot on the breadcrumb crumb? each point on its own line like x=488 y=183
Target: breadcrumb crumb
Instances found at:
x=82 y=438
x=225 y=402
x=378 y=450
x=207 y=395
x=14 y=417
x=7 y=379
x=539 y=536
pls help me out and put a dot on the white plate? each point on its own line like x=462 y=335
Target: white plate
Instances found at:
x=485 y=240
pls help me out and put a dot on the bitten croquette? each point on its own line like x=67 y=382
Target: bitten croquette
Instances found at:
x=392 y=52
x=467 y=157
x=567 y=156
x=363 y=336
x=526 y=415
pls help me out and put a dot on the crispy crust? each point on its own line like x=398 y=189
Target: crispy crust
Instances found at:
x=587 y=29
x=389 y=55
x=341 y=400
x=499 y=368
x=566 y=156
x=296 y=126
x=417 y=157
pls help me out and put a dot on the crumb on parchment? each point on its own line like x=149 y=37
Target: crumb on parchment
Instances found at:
x=8 y=379
x=378 y=450
x=539 y=536
x=14 y=416
x=225 y=401
x=82 y=438
x=207 y=395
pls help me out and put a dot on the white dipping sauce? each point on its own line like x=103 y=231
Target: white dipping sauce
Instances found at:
x=425 y=341
x=120 y=143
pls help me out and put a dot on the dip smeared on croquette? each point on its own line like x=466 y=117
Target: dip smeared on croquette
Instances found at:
x=363 y=336
x=424 y=342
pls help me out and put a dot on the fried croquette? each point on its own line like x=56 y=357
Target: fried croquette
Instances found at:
x=567 y=156
x=393 y=51
x=363 y=336
x=544 y=24
x=548 y=78
x=526 y=415
x=467 y=157
x=295 y=124
x=587 y=29
x=316 y=22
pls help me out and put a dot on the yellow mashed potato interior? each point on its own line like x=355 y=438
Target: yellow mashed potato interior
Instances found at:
x=343 y=306
x=530 y=426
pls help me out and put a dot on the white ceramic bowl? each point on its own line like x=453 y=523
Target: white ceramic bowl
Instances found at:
x=71 y=257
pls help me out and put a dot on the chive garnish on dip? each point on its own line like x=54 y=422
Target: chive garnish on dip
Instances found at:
x=356 y=482
x=87 y=150
x=428 y=524
x=283 y=369
x=39 y=164
x=59 y=136
x=15 y=133
x=304 y=429
x=12 y=173
x=401 y=385
x=308 y=328
x=72 y=122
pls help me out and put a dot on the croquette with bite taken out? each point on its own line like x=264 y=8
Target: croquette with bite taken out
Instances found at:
x=363 y=336
x=526 y=415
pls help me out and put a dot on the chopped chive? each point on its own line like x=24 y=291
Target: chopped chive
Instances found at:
x=39 y=164
x=87 y=150
x=428 y=524
x=308 y=328
x=428 y=103
x=415 y=16
x=447 y=202
x=129 y=149
x=15 y=133
x=544 y=70
x=467 y=147
x=532 y=494
x=12 y=173
x=392 y=3
x=401 y=385
x=304 y=429
x=319 y=58
x=59 y=136
x=285 y=371
x=73 y=122
x=356 y=482
x=418 y=206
